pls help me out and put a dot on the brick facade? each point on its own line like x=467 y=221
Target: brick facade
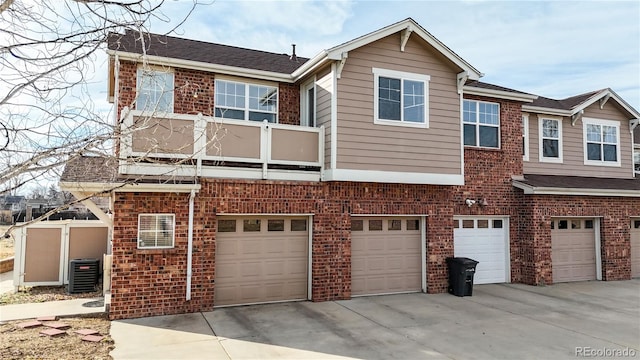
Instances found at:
x=153 y=282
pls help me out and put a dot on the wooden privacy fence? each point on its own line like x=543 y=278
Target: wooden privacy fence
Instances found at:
x=44 y=250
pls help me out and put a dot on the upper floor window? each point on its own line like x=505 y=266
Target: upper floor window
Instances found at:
x=155 y=90
x=308 y=104
x=481 y=123
x=550 y=130
x=601 y=142
x=401 y=98
x=525 y=137
x=237 y=100
x=156 y=231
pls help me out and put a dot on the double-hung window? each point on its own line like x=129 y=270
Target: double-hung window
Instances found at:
x=155 y=90
x=481 y=122
x=601 y=142
x=401 y=98
x=550 y=130
x=244 y=101
x=156 y=231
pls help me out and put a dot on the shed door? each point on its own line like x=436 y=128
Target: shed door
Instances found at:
x=484 y=240
x=42 y=256
x=261 y=259
x=385 y=255
x=573 y=250
x=635 y=248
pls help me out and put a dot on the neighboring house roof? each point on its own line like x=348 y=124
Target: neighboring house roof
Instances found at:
x=11 y=199
x=200 y=51
x=577 y=185
x=485 y=89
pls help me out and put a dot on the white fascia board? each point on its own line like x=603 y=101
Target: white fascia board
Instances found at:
x=531 y=190
x=335 y=53
x=122 y=187
x=197 y=65
x=585 y=104
x=311 y=65
x=471 y=90
x=393 y=177
x=547 y=111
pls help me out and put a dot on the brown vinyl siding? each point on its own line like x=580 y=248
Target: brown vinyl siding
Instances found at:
x=324 y=88
x=363 y=145
x=573 y=148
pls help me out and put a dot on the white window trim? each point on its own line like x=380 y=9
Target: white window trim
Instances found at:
x=541 y=156
x=477 y=124
x=525 y=136
x=636 y=149
x=246 y=108
x=402 y=76
x=601 y=122
x=171 y=87
x=173 y=241
x=304 y=102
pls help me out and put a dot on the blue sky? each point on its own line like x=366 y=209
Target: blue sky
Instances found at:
x=551 y=48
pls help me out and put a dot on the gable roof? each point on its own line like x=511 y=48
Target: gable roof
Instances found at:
x=203 y=52
x=408 y=25
x=574 y=104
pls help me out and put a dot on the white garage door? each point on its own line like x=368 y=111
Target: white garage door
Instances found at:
x=385 y=255
x=573 y=250
x=261 y=259
x=485 y=240
x=635 y=248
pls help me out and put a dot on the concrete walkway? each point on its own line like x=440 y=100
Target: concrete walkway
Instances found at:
x=6 y=282
x=507 y=321
x=57 y=308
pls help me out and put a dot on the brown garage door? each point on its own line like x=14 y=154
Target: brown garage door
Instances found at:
x=573 y=250
x=385 y=255
x=635 y=248
x=261 y=259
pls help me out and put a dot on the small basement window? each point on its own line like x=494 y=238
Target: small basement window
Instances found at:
x=156 y=231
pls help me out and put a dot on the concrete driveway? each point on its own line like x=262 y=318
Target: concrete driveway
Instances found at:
x=507 y=321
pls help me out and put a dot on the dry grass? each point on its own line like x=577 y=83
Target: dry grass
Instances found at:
x=18 y=343
x=6 y=245
x=38 y=294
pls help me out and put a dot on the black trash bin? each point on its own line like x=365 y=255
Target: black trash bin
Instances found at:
x=461 y=271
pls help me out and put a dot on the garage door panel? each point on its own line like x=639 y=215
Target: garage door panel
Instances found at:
x=635 y=247
x=261 y=266
x=387 y=260
x=488 y=246
x=573 y=252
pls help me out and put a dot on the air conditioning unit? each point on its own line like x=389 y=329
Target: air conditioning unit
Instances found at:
x=83 y=275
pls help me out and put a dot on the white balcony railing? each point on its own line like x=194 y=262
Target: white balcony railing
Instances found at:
x=197 y=145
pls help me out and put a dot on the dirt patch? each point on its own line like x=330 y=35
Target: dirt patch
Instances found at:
x=6 y=247
x=18 y=343
x=38 y=294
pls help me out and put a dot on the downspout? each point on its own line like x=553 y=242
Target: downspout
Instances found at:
x=190 y=244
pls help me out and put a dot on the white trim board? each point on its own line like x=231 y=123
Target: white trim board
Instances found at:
x=393 y=177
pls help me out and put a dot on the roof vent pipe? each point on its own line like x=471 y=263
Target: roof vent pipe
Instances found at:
x=293 y=57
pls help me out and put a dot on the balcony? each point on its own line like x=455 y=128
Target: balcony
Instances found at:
x=198 y=145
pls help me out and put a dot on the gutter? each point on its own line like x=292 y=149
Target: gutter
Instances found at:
x=190 y=245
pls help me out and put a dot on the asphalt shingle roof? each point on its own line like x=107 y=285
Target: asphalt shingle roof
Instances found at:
x=90 y=169
x=564 y=104
x=484 y=85
x=193 y=50
x=580 y=182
